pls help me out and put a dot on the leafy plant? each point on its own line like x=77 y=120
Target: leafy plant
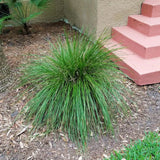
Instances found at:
x=2 y=22
x=40 y=3
x=76 y=88
x=23 y=12
x=148 y=149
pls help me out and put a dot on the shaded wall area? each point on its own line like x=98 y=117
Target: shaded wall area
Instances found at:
x=81 y=13
x=54 y=12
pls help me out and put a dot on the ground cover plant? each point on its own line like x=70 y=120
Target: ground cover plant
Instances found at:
x=148 y=149
x=76 y=88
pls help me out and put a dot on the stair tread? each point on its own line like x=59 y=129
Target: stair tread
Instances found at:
x=140 y=65
x=138 y=37
x=152 y=2
x=151 y=21
x=141 y=60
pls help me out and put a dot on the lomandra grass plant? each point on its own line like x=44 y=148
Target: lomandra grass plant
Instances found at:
x=76 y=88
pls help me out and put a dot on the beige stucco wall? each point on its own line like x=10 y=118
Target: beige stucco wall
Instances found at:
x=54 y=12
x=115 y=12
x=81 y=13
x=99 y=14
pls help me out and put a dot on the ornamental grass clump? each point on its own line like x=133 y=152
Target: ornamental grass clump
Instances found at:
x=76 y=88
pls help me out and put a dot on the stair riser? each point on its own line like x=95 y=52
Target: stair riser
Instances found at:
x=146 y=53
x=141 y=61
x=150 y=11
x=144 y=28
x=145 y=79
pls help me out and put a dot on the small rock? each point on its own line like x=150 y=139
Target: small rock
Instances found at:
x=105 y=156
x=2 y=157
x=21 y=145
x=80 y=158
x=14 y=114
x=158 y=103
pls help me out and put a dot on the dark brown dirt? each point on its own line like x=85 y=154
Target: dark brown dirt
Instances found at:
x=16 y=142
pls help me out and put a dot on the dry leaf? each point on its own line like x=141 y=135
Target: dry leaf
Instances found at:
x=125 y=141
x=65 y=139
x=50 y=144
x=157 y=129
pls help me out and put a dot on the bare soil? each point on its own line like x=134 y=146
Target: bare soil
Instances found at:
x=16 y=143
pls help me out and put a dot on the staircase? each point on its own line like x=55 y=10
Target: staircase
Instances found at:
x=140 y=58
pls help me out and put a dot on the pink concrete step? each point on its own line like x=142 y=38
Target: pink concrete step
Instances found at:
x=142 y=71
x=146 y=25
x=151 y=8
x=144 y=46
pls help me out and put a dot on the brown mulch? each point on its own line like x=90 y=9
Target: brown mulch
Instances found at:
x=16 y=143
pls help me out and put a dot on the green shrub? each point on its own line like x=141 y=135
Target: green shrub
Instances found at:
x=77 y=88
x=148 y=149
x=23 y=12
x=2 y=22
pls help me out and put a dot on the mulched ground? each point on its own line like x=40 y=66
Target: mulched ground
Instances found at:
x=15 y=141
